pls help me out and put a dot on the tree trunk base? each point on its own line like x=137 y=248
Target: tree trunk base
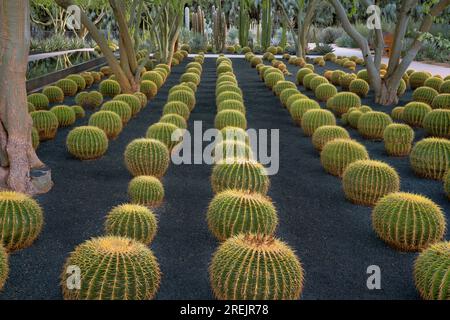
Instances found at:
x=387 y=96
x=40 y=181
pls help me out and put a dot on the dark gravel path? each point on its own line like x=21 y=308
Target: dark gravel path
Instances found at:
x=332 y=237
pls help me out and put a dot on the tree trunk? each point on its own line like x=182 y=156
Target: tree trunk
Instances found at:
x=387 y=94
x=17 y=155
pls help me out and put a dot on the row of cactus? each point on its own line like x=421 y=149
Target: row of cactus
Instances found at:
x=241 y=215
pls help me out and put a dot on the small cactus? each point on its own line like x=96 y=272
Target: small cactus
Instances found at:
x=230 y=118
x=325 y=91
x=39 y=101
x=232 y=212
x=360 y=87
x=293 y=99
x=337 y=154
x=336 y=77
x=46 y=123
x=79 y=80
x=132 y=101
x=163 y=132
x=90 y=100
x=424 y=94
x=441 y=101
x=122 y=109
x=353 y=118
x=149 y=89
x=445 y=87
x=415 y=112
x=437 y=123
x=147 y=157
x=431 y=272
x=132 y=221
x=314 y=119
x=79 y=111
x=128 y=259
x=371 y=125
x=249 y=282
x=366 y=181
x=228 y=87
x=398 y=139
x=344 y=101
x=184 y=96
x=301 y=75
x=146 y=190
x=231 y=105
x=418 y=78
x=234 y=134
x=307 y=80
x=142 y=98
x=154 y=77
x=21 y=220
x=300 y=107
x=408 y=222
x=87 y=142
x=54 y=94
x=430 y=158
x=108 y=121
x=174 y=119
x=434 y=82
x=346 y=79
x=68 y=86
x=286 y=94
x=190 y=77
x=317 y=81
x=177 y=107
x=65 y=114
x=239 y=174
x=397 y=113
x=110 y=88
x=325 y=134
x=447 y=183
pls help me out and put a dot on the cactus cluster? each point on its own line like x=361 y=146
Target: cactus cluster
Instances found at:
x=87 y=142
x=21 y=221
x=129 y=260
x=408 y=222
x=337 y=154
x=430 y=158
x=147 y=157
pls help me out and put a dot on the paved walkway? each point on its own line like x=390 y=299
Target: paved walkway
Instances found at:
x=42 y=56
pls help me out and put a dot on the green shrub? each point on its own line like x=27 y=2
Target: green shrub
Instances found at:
x=344 y=101
x=132 y=101
x=415 y=112
x=300 y=107
x=68 y=86
x=54 y=94
x=371 y=125
x=87 y=142
x=325 y=134
x=230 y=118
x=129 y=259
x=430 y=158
x=366 y=181
x=337 y=154
x=39 y=101
x=325 y=91
x=239 y=174
x=408 y=222
x=437 y=123
x=249 y=282
x=132 y=221
x=65 y=114
x=232 y=212
x=146 y=190
x=163 y=132
x=46 y=124
x=314 y=119
x=109 y=121
x=398 y=139
x=122 y=109
x=424 y=94
x=147 y=157
x=430 y=277
x=21 y=221
x=110 y=88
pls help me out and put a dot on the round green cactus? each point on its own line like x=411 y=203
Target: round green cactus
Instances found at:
x=146 y=190
x=336 y=77
x=418 y=78
x=224 y=67
x=231 y=118
x=193 y=65
x=79 y=80
x=337 y=154
x=325 y=134
x=68 y=86
x=344 y=101
x=122 y=109
x=283 y=85
x=30 y=107
x=255 y=61
x=163 y=132
x=88 y=79
x=325 y=91
x=54 y=94
x=232 y=212
x=300 y=107
x=445 y=87
x=317 y=81
x=149 y=89
x=65 y=114
x=184 y=86
x=227 y=78
x=34 y=138
x=294 y=98
x=398 y=139
x=434 y=82
x=415 y=112
x=234 y=134
x=307 y=80
x=132 y=101
x=4 y=266
x=401 y=88
x=46 y=124
x=142 y=98
x=397 y=113
x=39 y=101
x=79 y=111
x=132 y=221
x=286 y=94
x=346 y=79
x=316 y=118
x=366 y=181
x=228 y=87
x=437 y=123
x=184 y=96
x=239 y=174
x=128 y=259
x=87 y=142
x=431 y=272
x=447 y=183
x=190 y=77
x=360 y=87
x=21 y=220
x=249 y=282
x=301 y=75
x=110 y=88
x=154 y=77
x=174 y=119
x=147 y=157
x=371 y=125
x=110 y=122
x=363 y=75
x=430 y=158
x=408 y=222
x=230 y=149
x=90 y=100
x=353 y=118
x=424 y=94
x=231 y=105
x=441 y=101
x=177 y=107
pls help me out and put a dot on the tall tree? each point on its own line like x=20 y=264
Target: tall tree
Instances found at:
x=385 y=88
x=17 y=156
